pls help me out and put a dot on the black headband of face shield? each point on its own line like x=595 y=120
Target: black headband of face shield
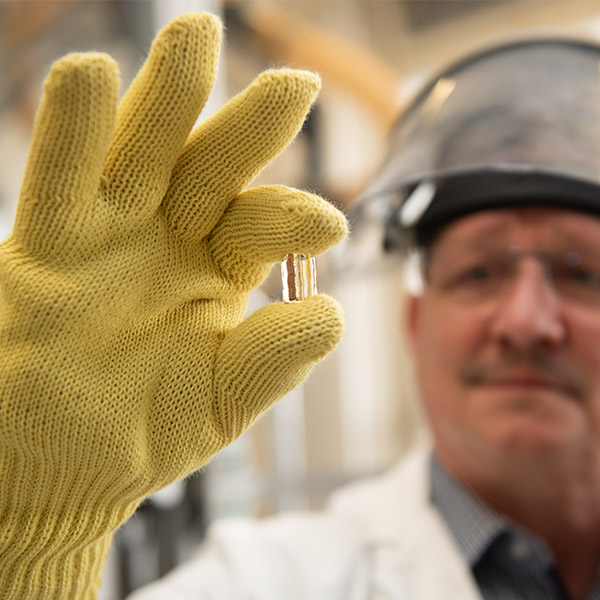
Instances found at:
x=458 y=194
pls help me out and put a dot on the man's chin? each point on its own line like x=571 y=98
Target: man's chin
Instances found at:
x=525 y=434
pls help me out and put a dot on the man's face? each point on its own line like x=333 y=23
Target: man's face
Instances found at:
x=507 y=336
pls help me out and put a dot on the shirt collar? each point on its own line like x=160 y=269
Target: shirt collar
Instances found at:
x=473 y=523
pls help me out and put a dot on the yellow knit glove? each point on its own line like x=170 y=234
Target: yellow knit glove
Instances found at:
x=124 y=364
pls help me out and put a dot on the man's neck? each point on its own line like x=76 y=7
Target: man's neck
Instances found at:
x=558 y=503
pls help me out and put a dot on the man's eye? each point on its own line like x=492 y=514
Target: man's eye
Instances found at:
x=469 y=276
x=577 y=272
x=585 y=277
x=478 y=273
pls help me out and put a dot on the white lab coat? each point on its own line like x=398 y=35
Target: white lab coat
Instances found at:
x=378 y=540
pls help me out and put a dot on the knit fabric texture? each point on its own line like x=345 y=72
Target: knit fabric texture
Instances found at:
x=124 y=360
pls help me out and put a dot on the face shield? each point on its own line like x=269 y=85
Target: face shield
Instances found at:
x=516 y=125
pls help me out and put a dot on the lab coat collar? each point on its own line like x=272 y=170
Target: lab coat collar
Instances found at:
x=398 y=519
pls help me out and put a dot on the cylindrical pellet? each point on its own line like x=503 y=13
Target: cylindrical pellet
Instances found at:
x=298 y=277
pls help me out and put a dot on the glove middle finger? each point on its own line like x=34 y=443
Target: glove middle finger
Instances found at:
x=229 y=149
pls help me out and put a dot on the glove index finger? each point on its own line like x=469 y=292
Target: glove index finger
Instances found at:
x=263 y=224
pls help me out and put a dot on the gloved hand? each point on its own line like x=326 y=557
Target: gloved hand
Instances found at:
x=124 y=364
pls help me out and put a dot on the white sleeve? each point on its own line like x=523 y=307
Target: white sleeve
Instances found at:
x=292 y=556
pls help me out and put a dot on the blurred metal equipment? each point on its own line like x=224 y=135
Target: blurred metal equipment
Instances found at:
x=285 y=35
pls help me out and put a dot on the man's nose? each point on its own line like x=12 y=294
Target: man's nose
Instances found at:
x=529 y=314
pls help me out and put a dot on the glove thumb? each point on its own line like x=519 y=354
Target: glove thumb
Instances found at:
x=269 y=354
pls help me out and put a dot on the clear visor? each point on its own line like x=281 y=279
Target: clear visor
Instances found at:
x=515 y=124
x=531 y=105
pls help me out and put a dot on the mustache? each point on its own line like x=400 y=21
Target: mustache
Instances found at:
x=563 y=375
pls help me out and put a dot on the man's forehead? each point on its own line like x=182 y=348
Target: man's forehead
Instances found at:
x=547 y=222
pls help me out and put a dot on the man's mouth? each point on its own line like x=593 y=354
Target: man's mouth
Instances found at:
x=560 y=379
x=520 y=380
x=525 y=385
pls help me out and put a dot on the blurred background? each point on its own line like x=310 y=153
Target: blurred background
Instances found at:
x=357 y=413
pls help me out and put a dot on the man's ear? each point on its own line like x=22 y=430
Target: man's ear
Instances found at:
x=412 y=317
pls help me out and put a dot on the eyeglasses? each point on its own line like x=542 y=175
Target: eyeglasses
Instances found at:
x=476 y=275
